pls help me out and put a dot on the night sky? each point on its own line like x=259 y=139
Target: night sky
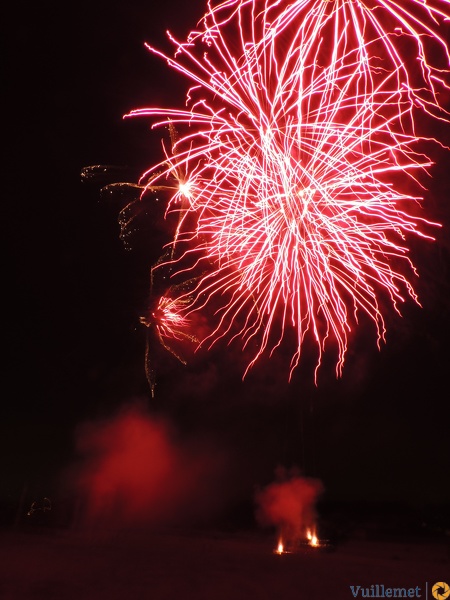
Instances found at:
x=74 y=347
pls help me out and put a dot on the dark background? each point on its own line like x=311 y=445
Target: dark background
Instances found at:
x=73 y=294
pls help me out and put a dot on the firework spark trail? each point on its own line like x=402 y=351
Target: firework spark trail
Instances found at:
x=169 y=319
x=300 y=119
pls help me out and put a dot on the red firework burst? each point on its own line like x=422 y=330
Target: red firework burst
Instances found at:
x=300 y=120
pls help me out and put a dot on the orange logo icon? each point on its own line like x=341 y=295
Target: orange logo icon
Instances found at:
x=441 y=590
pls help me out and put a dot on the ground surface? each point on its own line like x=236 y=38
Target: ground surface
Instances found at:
x=73 y=565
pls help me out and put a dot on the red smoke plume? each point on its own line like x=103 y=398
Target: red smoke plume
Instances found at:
x=133 y=470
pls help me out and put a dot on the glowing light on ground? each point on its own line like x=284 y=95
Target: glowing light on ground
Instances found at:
x=280 y=548
x=298 y=174
x=312 y=541
x=312 y=538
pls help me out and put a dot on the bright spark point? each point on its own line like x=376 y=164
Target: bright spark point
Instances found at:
x=185 y=189
x=300 y=131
